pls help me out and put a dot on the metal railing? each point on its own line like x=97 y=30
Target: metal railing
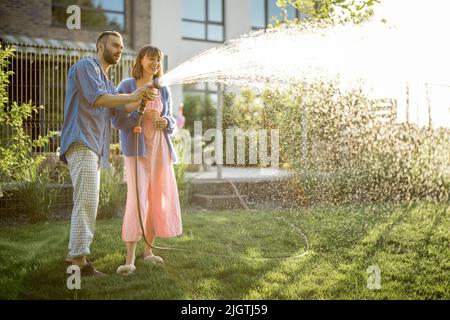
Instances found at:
x=40 y=74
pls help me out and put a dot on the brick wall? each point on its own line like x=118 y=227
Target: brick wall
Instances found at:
x=32 y=18
x=141 y=23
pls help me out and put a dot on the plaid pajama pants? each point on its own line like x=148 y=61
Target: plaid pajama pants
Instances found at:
x=84 y=171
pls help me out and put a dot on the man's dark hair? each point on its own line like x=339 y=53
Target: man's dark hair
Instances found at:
x=104 y=36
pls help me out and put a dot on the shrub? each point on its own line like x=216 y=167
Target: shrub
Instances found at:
x=17 y=163
x=35 y=199
x=181 y=167
x=245 y=112
x=340 y=149
x=112 y=193
x=197 y=108
x=16 y=160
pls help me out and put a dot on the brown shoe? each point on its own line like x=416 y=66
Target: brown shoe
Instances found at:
x=69 y=262
x=89 y=270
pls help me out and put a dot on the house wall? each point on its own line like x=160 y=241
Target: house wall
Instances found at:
x=32 y=18
x=166 y=33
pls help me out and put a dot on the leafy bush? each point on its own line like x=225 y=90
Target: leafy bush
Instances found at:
x=35 y=199
x=340 y=149
x=197 y=108
x=245 y=112
x=112 y=193
x=16 y=160
x=58 y=170
x=181 y=167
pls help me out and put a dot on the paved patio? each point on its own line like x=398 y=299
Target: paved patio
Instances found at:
x=258 y=188
x=240 y=174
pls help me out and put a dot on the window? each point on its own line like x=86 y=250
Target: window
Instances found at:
x=264 y=12
x=201 y=89
x=203 y=20
x=95 y=14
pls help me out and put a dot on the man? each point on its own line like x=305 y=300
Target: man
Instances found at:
x=85 y=138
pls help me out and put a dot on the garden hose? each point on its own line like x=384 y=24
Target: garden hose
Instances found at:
x=137 y=131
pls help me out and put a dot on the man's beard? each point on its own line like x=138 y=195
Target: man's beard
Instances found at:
x=109 y=57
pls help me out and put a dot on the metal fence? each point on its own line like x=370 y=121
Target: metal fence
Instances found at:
x=40 y=74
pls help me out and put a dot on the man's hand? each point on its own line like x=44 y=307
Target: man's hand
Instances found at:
x=130 y=100
x=145 y=93
x=150 y=94
x=161 y=123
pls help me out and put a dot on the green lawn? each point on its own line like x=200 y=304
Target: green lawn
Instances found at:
x=409 y=243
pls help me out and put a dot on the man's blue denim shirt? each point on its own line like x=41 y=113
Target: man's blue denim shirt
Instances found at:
x=83 y=122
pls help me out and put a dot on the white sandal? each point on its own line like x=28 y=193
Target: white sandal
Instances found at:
x=153 y=259
x=126 y=269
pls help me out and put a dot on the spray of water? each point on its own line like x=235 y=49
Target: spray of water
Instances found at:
x=380 y=53
x=316 y=83
x=329 y=124
x=400 y=51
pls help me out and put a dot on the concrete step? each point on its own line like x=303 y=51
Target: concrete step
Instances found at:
x=259 y=192
x=218 y=202
x=255 y=190
x=211 y=187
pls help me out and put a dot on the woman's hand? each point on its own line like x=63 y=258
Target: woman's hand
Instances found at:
x=161 y=123
x=151 y=114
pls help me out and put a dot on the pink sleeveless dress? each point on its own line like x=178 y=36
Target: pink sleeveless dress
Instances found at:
x=158 y=192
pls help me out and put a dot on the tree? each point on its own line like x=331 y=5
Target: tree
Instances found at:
x=340 y=11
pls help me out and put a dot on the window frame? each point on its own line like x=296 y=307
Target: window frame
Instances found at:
x=206 y=23
x=124 y=13
x=267 y=18
x=203 y=92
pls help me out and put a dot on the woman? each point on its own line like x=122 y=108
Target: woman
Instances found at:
x=157 y=189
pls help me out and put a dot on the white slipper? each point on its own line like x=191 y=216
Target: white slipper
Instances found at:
x=153 y=259
x=126 y=269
